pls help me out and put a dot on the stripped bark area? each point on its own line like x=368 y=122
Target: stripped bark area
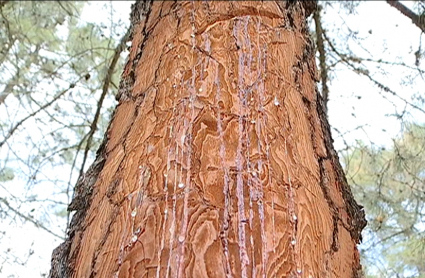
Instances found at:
x=218 y=161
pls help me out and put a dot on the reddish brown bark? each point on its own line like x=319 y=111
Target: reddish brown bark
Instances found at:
x=218 y=161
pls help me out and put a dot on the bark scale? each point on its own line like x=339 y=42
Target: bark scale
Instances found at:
x=218 y=161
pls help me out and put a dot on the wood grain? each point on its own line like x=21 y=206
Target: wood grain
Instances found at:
x=218 y=164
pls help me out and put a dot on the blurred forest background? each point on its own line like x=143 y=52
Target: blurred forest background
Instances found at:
x=60 y=67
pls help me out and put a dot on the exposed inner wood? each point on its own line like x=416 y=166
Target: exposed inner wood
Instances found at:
x=219 y=163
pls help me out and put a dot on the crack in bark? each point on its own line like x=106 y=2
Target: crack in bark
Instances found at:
x=332 y=207
x=62 y=260
x=249 y=11
x=102 y=241
x=354 y=210
x=140 y=11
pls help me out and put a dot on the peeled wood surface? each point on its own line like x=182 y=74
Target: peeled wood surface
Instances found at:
x=217 y=164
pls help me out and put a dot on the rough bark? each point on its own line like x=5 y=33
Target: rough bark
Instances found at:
x=218 y=161
x=322 y=58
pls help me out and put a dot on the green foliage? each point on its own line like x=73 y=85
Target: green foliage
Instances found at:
x=390 y=184
x=6 y=174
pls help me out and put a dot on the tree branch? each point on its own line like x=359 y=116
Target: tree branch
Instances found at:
x=106 y=83
x=419 y=21
x=364 y=72
x=13 y=129
x=30 y=219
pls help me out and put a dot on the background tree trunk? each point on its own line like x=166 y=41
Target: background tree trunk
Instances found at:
x=218 y=161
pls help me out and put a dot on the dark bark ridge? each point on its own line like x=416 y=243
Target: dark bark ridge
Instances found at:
x=355 y=211
x=62 y=261
x=356 y=214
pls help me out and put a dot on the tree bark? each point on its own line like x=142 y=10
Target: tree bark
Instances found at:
x=322 y=58
x=218 y=161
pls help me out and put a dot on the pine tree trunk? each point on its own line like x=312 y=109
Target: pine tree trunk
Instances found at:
x=218 y=161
